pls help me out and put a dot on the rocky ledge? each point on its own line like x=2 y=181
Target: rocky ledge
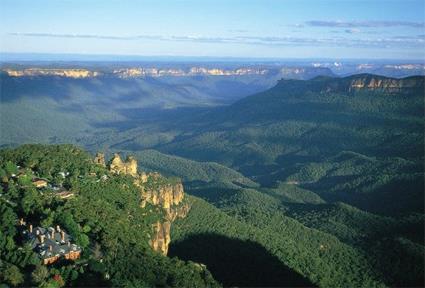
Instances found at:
x=156 y=190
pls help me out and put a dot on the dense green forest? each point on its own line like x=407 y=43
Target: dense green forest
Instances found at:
x=69 y=108
x=329 y=244
x=315 y=182
x=104 y=218
x=346 y=164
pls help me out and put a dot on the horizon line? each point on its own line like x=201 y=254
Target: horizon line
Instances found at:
x=87 y=57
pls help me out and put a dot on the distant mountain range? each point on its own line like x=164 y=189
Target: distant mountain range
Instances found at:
x=176 y=71
x=302 y=69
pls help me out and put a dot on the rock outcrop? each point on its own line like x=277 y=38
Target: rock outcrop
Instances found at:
x=117 y=166
x=193 y=71
x=358 y=83
x=68 y=73
x=369 y=82
x=166 y=196
x=100 y=159
x=169 y=195
x=161 y=236
x=156 y=190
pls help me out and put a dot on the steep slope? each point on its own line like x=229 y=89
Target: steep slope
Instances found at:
x=349 y=241
x=371 y=183
x=116 y=218
x=192 y=171
x=272 y=135
x=156 y=190
x=296 y=112
x=294 y=245
x=57 y=98
x=56 y=103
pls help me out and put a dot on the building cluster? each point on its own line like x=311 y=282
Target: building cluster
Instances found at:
x=40 y=183
x=60 y=191
x=50 y=244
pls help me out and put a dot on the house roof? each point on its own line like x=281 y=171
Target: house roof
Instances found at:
x=58 y=246
x=65 y=194
x=38 y=179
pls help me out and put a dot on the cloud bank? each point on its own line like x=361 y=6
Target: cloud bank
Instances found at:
x=369 y=24
x=417 y=41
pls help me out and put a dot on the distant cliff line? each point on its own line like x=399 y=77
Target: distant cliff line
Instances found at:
x=356 y=83
x=136 y=72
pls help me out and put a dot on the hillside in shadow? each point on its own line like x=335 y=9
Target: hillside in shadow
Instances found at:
x=234 y=262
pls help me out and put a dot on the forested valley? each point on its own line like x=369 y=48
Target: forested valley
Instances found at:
x=310 y=183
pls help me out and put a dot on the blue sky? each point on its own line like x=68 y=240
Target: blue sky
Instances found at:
x=236 y=28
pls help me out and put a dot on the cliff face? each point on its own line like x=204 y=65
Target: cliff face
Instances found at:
x=166 y=196
x=117 y=166
x=69 y=73
x=156 y=190
x=193 y=71
x=161 y=236
x=169 y=195
x=369 y=82
x=137 y=72
x=356 y=83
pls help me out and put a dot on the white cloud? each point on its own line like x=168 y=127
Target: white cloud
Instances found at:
x=352 y=31
x=400 y=41
x=354 y=24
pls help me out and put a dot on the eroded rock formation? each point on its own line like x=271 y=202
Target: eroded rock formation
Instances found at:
x=156 y=190
x=169 y=195
x=117 y=166
x=100 y=159
x=166 y=195
x=160 y=239
x=69 y=73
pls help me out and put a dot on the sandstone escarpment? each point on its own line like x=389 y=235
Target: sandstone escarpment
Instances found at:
x=68 y=73
x=117 y=166
x=355 y=84
x=169 y=195
x=369 y=82
x=161 y=236
x=156 y=190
